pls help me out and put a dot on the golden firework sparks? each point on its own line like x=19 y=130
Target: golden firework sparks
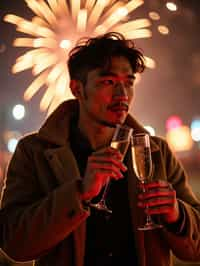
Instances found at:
x=54 y=30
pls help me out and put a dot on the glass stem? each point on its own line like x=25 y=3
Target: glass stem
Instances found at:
x=105 y=191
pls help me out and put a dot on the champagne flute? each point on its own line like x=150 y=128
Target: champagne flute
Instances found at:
x=142 y=164
x=120 y=141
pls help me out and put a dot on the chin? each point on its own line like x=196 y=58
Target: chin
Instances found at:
x=116 y=122
x=112 y=121
x=121 y=119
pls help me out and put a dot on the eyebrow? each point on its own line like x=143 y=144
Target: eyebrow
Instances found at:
x=109 y=73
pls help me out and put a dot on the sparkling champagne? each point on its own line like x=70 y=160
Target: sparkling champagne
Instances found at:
x=142 y=165
x=120 y=141
x=142 y=162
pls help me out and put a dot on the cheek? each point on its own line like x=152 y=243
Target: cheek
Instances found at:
x=131 y=101
x=103 y=96
x=131 y=98
x=130 y=95
x=98 y=101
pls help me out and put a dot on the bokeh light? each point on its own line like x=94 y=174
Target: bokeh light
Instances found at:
x=65 y=44
x=12 y=143
x=163 y=29
x=179 y=138
x=171 y=6
x=173 y=122
x=151 y=130
x=154 y=15
x=2 y=48
x=18 y=111
x=195 y=129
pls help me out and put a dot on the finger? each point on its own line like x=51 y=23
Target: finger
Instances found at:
x=159 y=210
x=154 y=203
x=99 y=179
x=108 y=151
x=106 y=169
x=108 y=160
x=157 y=193
x=158 y=184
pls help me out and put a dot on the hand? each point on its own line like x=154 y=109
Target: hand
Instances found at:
x=160 y=198
x=102 y=164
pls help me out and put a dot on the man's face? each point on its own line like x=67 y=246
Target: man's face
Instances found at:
x=108 y=93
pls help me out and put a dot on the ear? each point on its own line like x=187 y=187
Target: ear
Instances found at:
x=76 y=88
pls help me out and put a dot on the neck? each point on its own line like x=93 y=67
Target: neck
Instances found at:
x=99 y=136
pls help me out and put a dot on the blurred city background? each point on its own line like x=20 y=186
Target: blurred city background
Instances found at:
x=167 y=95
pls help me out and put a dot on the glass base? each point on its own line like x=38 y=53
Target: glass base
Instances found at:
x=149 y=226
x=101 y=206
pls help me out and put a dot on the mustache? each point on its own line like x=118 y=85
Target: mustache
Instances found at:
x=118 y=104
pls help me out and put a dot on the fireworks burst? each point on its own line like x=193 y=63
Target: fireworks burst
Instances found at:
x=54 y=30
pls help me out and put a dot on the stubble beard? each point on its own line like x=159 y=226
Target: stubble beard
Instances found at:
x=97 y=120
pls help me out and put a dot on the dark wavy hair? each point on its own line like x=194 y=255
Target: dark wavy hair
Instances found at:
x=92 y=53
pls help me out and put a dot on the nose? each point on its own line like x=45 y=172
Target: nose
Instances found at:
x=120 y=91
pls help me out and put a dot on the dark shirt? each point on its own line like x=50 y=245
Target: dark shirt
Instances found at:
x=109 y=239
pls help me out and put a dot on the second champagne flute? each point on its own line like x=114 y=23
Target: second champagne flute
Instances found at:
x=142 y=164
x=120 y=141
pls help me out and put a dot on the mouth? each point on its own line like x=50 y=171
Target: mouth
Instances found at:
x=119 y=107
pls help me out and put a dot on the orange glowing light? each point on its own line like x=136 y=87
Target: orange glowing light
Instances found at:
x=163 y=29
x=171 y=6
x=180 y=139
x=150 y=63
x=82 y=20
x=65 y=44
x=154 y=15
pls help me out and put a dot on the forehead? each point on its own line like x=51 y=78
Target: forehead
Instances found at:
x=118 y=65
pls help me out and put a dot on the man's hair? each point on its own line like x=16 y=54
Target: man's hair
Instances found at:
x=97 y=52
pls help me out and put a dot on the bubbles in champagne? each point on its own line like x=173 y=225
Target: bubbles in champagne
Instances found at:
x=142 y=163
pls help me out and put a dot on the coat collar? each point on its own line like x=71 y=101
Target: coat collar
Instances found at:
x=56 y=128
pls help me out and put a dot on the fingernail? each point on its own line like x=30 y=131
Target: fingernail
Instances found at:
x=119 y=175
x=124 y=168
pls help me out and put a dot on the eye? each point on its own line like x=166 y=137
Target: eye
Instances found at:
x=107 y=81
x=129 y=82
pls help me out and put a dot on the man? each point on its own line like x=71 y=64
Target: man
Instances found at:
x=55 y=172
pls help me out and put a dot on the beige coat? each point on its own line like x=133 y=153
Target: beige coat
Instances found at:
x=44 y=220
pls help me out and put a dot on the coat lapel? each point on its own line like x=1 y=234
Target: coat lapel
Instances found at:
x=65 y=169
x=63 y=164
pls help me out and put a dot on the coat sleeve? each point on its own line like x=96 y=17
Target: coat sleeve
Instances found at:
x=186 y=244
x=33 y=223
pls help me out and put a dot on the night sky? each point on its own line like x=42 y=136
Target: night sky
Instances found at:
x=172 y=88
